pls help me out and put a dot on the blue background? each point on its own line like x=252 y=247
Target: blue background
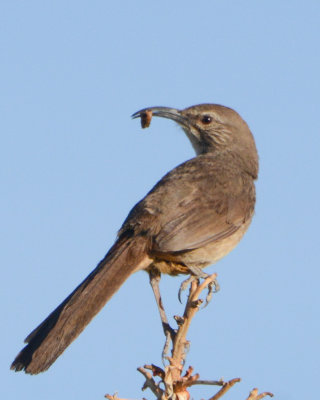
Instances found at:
x=73 y=163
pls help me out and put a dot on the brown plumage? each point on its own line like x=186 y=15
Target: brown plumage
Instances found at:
x=194 y=216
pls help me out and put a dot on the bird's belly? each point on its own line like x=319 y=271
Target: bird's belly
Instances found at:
x=178 y=262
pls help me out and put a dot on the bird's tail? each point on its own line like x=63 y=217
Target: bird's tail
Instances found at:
x=67 y=321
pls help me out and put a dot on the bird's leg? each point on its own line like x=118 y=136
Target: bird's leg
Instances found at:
x=155 y=276
x=197 y=273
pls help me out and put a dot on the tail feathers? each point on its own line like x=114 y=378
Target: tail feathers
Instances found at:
x=47 y=342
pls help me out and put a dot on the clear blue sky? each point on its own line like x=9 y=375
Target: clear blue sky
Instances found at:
x=73 y=163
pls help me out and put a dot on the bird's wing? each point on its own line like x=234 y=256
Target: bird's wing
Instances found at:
x=200 y=222
x=194 y=204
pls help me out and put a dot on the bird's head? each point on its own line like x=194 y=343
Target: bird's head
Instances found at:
x=211 y=129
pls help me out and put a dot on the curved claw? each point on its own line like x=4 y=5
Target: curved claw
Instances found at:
x=213 y=287
x=216 y=286
x=184 y=285
x=197 y=273
x=209 y=295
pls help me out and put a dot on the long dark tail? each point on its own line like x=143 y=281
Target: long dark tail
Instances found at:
x=67 y=321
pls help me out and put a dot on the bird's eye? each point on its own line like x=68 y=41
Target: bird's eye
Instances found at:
x=206 y=119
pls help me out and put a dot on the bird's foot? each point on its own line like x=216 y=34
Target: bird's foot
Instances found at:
x=197 y=274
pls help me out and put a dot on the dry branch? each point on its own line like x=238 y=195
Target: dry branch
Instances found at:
x=254 y=395
x=172 y=382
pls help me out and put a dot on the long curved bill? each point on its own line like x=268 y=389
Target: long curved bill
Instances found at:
x=146 y=115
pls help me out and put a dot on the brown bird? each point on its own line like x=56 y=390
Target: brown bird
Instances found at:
x=194 y=216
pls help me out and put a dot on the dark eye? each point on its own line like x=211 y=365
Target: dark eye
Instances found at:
x=206 y=119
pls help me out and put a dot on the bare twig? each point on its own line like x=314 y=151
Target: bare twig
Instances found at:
x=174 y=382
x=192 y=306
x=254 y=395
x=150 y=383
x=209 y=383
x=113 y=397
x=226 y=386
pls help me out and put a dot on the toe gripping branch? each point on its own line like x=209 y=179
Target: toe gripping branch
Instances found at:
x=197 y=274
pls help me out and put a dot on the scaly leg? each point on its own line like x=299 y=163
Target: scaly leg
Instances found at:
x=155 y=276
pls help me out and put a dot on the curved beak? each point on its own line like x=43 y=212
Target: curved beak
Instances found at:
x=164 y=112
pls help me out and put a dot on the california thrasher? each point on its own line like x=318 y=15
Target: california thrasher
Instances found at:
x=192 y=217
